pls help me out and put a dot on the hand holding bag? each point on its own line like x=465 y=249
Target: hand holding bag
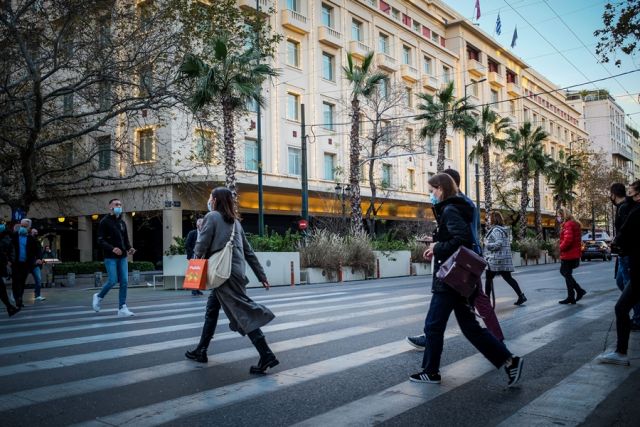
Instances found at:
x=220 y=262
x=462 y=270
x=195 y=278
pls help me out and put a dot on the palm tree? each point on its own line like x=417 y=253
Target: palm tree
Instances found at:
x=363 y=80
x=563 y=175
x=523 y=144
x=489 y=128
x=440 y=112
x=541 y=163
x=230 y=80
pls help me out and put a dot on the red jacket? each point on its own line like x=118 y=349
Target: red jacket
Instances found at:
x=570 y=240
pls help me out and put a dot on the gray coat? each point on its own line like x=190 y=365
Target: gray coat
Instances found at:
x=498 y=249
x=245 y=315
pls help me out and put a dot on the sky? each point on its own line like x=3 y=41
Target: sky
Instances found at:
x=576 y=63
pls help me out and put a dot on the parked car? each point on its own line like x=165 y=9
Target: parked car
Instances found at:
x=600 y=235
x=596 y=249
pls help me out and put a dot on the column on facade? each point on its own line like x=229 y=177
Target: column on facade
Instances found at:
x=171 y=226
x=85 y=238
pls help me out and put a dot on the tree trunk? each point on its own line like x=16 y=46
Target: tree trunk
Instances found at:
x=441 y=146
x=229 y=151
x=371 y=210
x=354 y=170
x=486 y=166
x=558 y=206
x=536 y=203
x=524 y=201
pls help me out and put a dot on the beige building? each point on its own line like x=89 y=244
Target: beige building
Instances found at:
x=419 y=44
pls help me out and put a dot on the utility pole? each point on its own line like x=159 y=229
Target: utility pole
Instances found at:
x=305 y=181
x=259 y=132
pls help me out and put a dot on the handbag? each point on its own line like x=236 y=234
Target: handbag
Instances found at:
x=219 y=265
x=195 y=277
x=462 y=271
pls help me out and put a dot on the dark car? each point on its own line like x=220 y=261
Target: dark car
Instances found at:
x=596 y=249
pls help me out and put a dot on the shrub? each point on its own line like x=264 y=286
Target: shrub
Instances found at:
x=386 y=242
x=91 y=267
x=530 y=248
x=552 y=246
x=417 y=250
x=359 y=253
x=178 y=247
x=324 y=250
x=274 y=242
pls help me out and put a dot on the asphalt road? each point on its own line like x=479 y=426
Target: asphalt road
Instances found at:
x=343 y=360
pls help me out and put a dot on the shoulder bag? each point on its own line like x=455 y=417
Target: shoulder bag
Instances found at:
x=462 y=271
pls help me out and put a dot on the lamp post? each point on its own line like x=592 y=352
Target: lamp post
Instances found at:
x=342 y=192
x=466 y=160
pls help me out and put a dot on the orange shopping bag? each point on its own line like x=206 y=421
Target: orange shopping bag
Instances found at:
x=196 y=275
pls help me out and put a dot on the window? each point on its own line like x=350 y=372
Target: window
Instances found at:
x=544 y=124
x=251 y=155
x=327 y=16
x=293 y=106
x=356 y=30
x=411 y=175
x=512 y=107
x=384 y=87
x=145 y=145
x=329 y=166
x=493 y=66
x=408 y=97
x=105 y=95
x=406 y=55
x=416 y=26
x=383 y=43
x=384 y=6
x=293 y=53
x=447 y=149
x=386 y=175
x=511 y=77
x=435 y=37
x=553 y=153
x=474 y=88
x=145 y=14
x=526 y=114
x=67 y=104
x=406 y=20
x=327 y=67
x=426 y=33
x=144 y=80
x=294 y=161
x=430 y=149
x=293 y=5
x=252 y=105
x=410 y=137
x=395 y=14
x=495 y=97
x=446 y=73
x=327 y=115
x=204 y=140
x=427 y=65
x=103 y=146
x=473 y=53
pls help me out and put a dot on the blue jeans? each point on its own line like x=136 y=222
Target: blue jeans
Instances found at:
x=37 y=279
x=622 y=280
x=442 y=304
x=117 y=272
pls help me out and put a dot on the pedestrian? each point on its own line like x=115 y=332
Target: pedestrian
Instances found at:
x=47 y=266
x=627 y=240
x=27 y=250
x=482 y=302
x=245 y=316
x=7 y=257
x=623 y=204
x=190 y=244
x=498 y=256
x=36 y=272
x=114 y=241
x=454 y=216
x=570 y=252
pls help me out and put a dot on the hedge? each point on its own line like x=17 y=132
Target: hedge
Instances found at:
x=93 y=266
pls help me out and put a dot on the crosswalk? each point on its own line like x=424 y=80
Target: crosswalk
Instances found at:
x=343 y=358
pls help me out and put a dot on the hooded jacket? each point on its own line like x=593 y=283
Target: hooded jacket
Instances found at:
x=454 y=216
x=570 y=241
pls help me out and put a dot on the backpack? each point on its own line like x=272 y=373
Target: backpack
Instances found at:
x=219 y=264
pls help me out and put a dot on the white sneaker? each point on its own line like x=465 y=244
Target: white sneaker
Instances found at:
x=40 y=298
x=613 y=358
x=96 y=302
x=125 y=312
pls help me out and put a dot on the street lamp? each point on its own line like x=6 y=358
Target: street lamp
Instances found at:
x=466 y=160
x=343 y=191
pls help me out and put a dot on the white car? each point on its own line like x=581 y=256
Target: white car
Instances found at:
x=600 y=235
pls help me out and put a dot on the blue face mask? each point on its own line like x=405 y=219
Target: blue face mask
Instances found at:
x=23 y=231
x=2 y=228
x=209 y=206
x=117 y=211
x=434 y=198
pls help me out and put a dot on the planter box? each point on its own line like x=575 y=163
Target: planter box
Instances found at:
x=349 y=274
x=393 y=263
x=278 y=267
x=174 y=265
x=517 y=259
x=317 y=275
x=421 y=268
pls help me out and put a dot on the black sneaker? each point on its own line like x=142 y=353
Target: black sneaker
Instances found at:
x=579 y=294
x=423 y=377
x=567 y=301
x=514 y=370
x=419 y=341
x=199 y=355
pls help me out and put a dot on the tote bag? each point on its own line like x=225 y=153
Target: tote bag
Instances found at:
x=219 y=269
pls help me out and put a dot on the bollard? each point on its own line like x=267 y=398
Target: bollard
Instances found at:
x=377 y=268
x=293 y=276
x=340 y=273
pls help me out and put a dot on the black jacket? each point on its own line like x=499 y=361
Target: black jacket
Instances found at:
x=190 y=243
x=622 y=211
x=112 y=233
x=34 y=250
x=627 y=238
x=7 y=253
x=454 y=217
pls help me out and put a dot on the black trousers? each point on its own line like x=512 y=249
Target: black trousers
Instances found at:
x=630 y=297
x=566 y=270
x=506 y=275
x=3 y=294
x=20 y=272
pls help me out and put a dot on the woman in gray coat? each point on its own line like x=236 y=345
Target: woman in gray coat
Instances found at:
x=245 y=315
x=498 y=256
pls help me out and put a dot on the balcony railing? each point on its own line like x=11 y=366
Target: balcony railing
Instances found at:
x=496 y=79
x=430 y=82
x=295 y=21
x=622 y=151
x=409 y=72
x=514 y=89
x=387 y=62
x=359 y=49
x=476 y=67
x=330 y=36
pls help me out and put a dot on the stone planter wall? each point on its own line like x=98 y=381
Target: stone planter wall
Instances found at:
x=282 y=268
x=392 y=263
x=421 y=268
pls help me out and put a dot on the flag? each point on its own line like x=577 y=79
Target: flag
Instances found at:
x=515 y=37
x=477 y=8
x=498 y=25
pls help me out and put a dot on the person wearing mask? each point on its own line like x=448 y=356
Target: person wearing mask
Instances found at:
x=498 y=256
x=7 y=257
x=190 y=244
x=570 y=252
x=482 y=301
x=454 y=216
x=623 y=205
x=114 y=241
x=245 y=316
x=28 y=256
x=627 y=240
x=37 y=270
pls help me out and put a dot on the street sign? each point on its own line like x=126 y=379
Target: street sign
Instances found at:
x=17 y=214
x=303 y=224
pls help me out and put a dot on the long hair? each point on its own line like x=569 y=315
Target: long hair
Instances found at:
x=495 y=217
x=224 y=203
x=568 y=216
x=445 y=183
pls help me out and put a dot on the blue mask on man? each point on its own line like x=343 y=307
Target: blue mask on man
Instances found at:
x=434 y=199
x=2 y=228
x=117 y=211
x=23 y=231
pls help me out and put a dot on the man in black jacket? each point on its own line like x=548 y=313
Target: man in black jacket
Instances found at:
x=114 y=241
x=27 y=253
x=190 y=244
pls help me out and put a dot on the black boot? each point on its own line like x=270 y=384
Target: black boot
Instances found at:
x=198 y=354
x=267 y=358
x=580 y=293
x=11 y=310
x=521 y=300
x=568 y=300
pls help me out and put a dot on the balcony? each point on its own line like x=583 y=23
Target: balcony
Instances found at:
x=496 y=79
x=430 y=82
x=476 y=68
x=329 y=36
x=387 y=62
x=514 y=89
x=265 y=5
x=622 y=151
x=359 y=49
x=409 y=72
x=295 y=21
x=371 y=3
